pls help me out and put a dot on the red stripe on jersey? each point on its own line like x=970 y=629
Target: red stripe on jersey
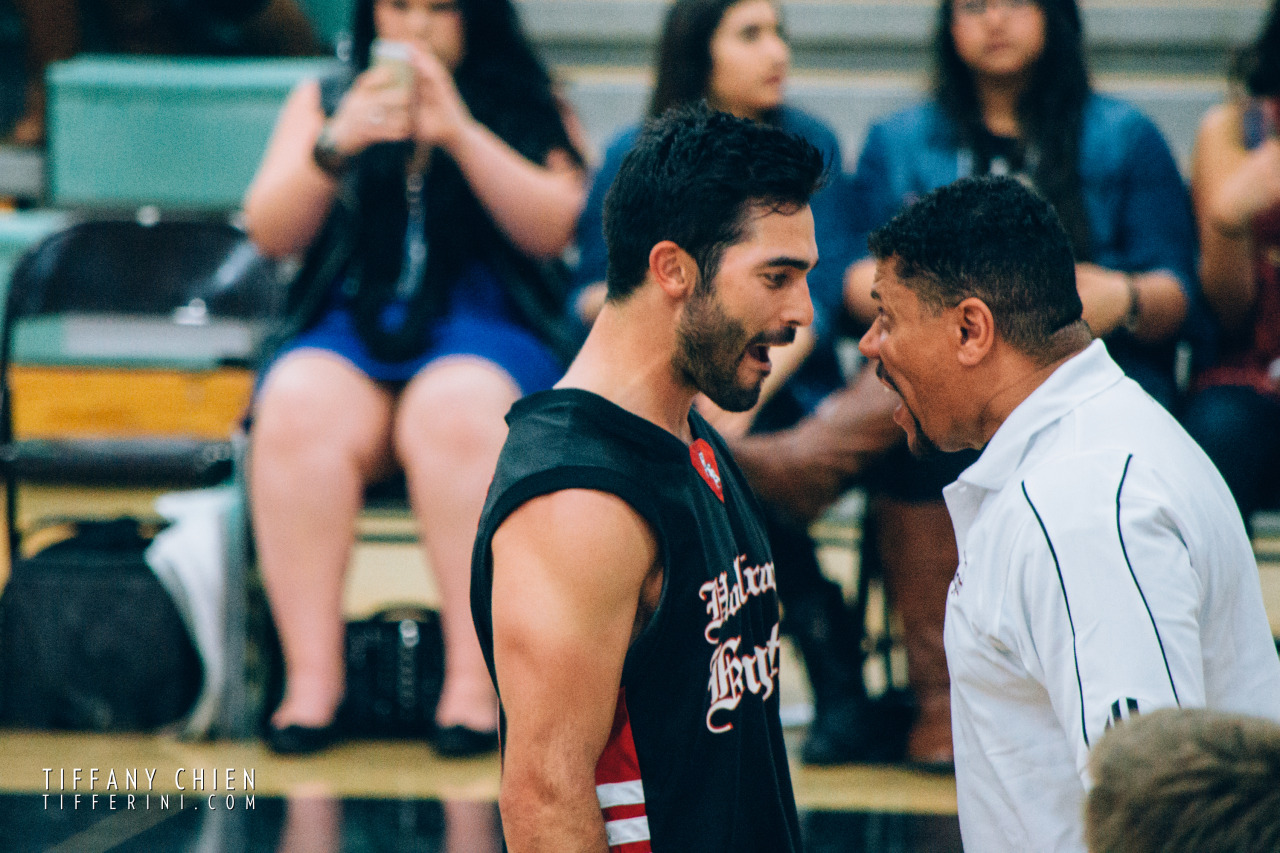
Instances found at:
x=624 y=812
x=618 y=765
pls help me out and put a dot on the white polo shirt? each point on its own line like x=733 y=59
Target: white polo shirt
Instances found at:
x=1104 y=570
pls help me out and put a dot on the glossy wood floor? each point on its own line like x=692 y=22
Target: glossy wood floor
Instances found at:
x=362 y=796
x=374 y=795
x=397 y=795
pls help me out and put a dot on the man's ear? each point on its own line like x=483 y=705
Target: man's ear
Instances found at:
x=976 y=329
x=673 y=269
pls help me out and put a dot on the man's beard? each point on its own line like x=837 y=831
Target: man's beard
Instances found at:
x=711 y=346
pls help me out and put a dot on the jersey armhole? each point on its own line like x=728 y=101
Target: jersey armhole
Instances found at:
x=595 y=479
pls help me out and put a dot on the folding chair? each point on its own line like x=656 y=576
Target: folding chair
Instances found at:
x=131 y=322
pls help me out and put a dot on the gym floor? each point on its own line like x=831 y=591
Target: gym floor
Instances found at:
x=70 y=792
x=168 y=794
x=364 y=796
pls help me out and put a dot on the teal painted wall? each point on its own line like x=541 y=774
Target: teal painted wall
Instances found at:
x=126 y=131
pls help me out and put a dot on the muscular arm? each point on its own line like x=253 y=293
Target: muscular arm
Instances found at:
x=571 y=574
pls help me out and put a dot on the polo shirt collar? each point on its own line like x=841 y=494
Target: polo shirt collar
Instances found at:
x=1084 y=375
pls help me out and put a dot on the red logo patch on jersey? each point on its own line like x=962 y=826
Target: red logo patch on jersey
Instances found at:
x=704 y=462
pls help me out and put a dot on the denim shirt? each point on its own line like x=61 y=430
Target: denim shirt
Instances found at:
x=819 y=375
x=1138 y=207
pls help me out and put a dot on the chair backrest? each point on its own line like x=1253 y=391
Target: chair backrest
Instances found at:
x=184 y=133
x=125 y=267
x=190 y=295
x=180 y=291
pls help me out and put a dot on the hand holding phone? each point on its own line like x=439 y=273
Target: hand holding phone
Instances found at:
x=394 y=56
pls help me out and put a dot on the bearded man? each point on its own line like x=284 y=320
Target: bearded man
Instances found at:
x=622 y=584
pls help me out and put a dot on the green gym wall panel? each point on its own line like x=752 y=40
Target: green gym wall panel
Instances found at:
x=177 y=133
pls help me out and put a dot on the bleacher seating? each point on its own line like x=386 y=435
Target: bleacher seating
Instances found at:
x=607 y=100
x=1152 y=36
x=186 y=133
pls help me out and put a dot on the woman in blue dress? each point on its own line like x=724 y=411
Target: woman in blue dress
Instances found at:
x=429 y=187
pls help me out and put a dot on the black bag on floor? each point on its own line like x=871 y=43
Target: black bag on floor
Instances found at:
x=89 y=638
x=395 y=669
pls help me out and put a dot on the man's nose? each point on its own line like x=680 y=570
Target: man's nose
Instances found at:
x=869 y=345
x=800 y=311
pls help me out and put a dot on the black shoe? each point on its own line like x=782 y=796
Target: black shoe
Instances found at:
x=937 y=767
x=463 y=742
x=301 y=740
x=840 y=738
x=861 y=731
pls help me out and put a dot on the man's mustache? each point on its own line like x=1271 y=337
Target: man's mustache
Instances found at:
x=777 y=338
x=884 y=377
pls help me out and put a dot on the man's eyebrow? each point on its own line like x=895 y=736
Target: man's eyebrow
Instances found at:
x=875 y=294
x=787 y=261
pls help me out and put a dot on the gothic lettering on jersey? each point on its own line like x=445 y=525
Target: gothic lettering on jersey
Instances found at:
x=725 y=596
x=737 y=671
x=734 y=675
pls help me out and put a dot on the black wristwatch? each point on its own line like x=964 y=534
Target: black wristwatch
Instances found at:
x=327 y=156
x=1134 y=315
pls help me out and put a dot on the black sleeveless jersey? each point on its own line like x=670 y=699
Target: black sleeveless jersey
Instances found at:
x=695 y=760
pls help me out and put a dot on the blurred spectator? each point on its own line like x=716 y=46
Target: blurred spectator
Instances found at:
x=733 y=53
x=1011 y=95
x=1184 y=780
x=60 y=29
x=431 y=191
x=1235 y=410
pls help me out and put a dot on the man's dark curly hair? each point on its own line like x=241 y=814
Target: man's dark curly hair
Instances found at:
x=994 y=239
x=695 y=176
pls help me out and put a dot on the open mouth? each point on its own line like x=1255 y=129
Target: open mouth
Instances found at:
x=900 y=414
x=885 y=380
x=758 y=349
x=760 y=354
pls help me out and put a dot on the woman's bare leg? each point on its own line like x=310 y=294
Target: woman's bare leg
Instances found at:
x=321 y=431
x=449 y=430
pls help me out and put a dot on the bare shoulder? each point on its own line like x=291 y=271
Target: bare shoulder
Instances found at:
x=572 y=533
x=574 y=573
x=304 y=95
x=1222 y=124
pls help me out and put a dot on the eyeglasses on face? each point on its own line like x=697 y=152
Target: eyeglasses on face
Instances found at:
x=979 y=7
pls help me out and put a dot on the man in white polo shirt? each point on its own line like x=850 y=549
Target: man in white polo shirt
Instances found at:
x=1104 y=569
